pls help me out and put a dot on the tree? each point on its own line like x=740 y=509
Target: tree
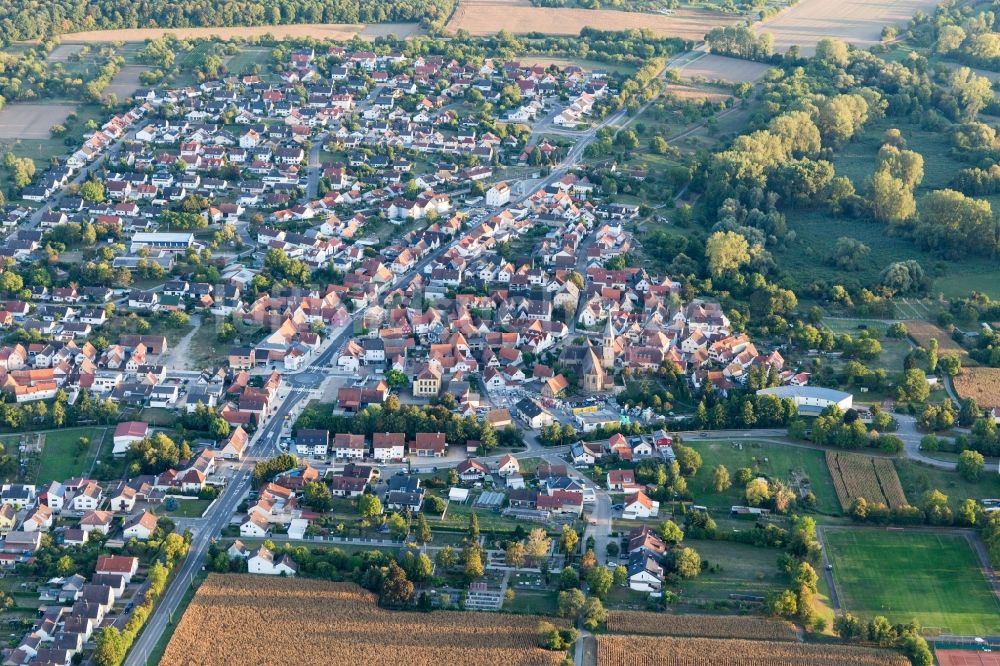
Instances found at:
x=538 y=545
x=593 y=614
x=445 y=558
x=970 y=465
x=515 y=554
x=972 y=92
x=111 y=647
x=369 y=508
x=720 y=478
x=317 y=496
x=92 y=191
x=569 y=540
x=832 y=51
x=687 y=562
x=889 y=198
x=568 y=578
x=474 y=561
x=670 y=532
x=955 y=225
x=914 y=387
x=423 y=532
x=473 y=527
x=571 y=603
x=397 y=525
x=726 y=250
x=397 y=590
x=600 y=580
x=757 y=492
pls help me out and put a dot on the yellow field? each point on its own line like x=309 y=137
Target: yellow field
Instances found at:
x=332 y=31
x=487 y=17
x=857 y=22
x=983 y=384
x=244 y=619
x=705 y=626
x=31 y=120
x=657 y=650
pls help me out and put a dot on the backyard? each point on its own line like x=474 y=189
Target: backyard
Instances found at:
x=62 y=458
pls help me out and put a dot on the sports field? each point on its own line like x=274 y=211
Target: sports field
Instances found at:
x=904 y=575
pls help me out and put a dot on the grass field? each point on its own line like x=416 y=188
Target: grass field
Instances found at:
x=745 y=569
x=805 y=259
x=59 y=459
x=917 y=479
x=247 y=58
x=711 y=67
x=186 y=508
x=933 y=578
x=771 y=459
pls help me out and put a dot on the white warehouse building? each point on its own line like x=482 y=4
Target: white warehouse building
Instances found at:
x=811 y=399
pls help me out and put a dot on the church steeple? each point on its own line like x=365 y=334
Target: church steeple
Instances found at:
x=608 y=345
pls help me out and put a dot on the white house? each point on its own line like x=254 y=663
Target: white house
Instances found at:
x=640 y=506
x=498 y=195
x=508 y=466
x=255 y=526
x=645 y=574
x=140 y=526
x=262 y=562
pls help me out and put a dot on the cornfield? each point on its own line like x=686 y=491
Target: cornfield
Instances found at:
x=923 y=331
x=658 y=650
x=245 y=619
x=983 y=384
x=874 y=479
x=707 y=626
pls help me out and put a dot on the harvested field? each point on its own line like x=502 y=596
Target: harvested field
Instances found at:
x=695 y=93
x=857 y=22
x=334 y=31
x=63 y=52
x=31 y=121
x=705 y=626
x=872 y=478
x=653 y=651
x=487 y=17
x=125 y=82
x=922 y=332
x=338 y=623
x=983 y=384
x=710 y=67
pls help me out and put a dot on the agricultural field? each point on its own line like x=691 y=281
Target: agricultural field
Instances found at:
x=487 y=17
x=125 y=82
x=650 y=651
x=31 y=121
x=796 y=466
x=943 y=586
x=872 y=478
x=983 y=384
x=705 y=626
x=711 y=67
x=922 y=332
x=322 y=622
x=321 y=31
x=588 y=65
x=858 y=22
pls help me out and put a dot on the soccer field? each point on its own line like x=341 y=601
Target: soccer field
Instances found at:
x=933 y=578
